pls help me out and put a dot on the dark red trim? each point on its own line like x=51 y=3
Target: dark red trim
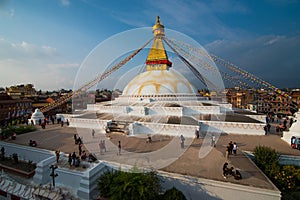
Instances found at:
x=159 y=62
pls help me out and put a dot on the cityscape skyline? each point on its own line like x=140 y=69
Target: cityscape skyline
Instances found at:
x=45 y=42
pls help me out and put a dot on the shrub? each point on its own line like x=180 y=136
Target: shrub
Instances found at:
x=289 y=178
x=105 y=182
x=266 y=158
x=17 y=129
x=173 y=194
x=23 y=129
x=128 y=185
x=285 y=177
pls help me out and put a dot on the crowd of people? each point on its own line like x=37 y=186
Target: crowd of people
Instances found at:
x=46 y=121
x=282 y=124
x=231 y=149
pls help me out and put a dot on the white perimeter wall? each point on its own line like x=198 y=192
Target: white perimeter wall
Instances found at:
x=232 y=127
x=176 y=129
x=188 y=110
x=88 y=123
x=164 y=129
x=176 y=111
x=156 y=110
x=25 y=153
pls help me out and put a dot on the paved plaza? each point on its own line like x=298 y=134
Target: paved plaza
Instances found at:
x=55 y=137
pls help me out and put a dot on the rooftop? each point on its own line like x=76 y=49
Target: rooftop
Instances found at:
x=55 y=137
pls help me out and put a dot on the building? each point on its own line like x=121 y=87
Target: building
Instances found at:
x=21 y=91
x=13 y=109
x=269 y=102
x=241 y=98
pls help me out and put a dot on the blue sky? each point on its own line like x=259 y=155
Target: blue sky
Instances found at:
x=44 y=42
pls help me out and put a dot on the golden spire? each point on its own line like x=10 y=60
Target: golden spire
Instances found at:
x=158 y=28
x=157 y=58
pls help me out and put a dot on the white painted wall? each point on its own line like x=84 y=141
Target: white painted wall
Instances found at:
x=164 y=129
x=165 y=111
x=156 y=110
x=190 y=110
x=95 y=124
x=26 y=153
x=294 y=130
x=232 y=127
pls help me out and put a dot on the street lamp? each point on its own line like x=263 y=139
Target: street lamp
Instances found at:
x=53 y=167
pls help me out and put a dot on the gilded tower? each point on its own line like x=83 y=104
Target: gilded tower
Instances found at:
x=160 y=80
x=157 y=58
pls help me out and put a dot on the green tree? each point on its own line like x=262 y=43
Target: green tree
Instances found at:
x=117 y=185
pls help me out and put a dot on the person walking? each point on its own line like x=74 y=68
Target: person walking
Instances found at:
x=75 y=138
x=213 y=141
x=80 y=149
x=70 y=159
x=93 y=133
x=227 y=152
x=57 y=154
x=234 y=148
x=269 y=128
x=266 y=130
x=182 y=139
x=73 y=158
x=101 y=147
x=230 y=147
x=119 y=148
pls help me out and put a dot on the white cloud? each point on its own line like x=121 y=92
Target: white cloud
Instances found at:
x=273 y=40
x=30 y=63
x=24 y=49
x=65 y=2
x=63 y=65
x=49 y=50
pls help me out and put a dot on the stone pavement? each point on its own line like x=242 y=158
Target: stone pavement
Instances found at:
x=165 y=153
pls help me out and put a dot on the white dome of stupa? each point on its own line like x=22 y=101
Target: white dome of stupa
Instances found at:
x=158 y=82
x=36 y=116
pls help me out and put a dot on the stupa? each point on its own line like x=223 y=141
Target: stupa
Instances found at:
x=160 y=78
x=161 y=100
x=36 y=117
